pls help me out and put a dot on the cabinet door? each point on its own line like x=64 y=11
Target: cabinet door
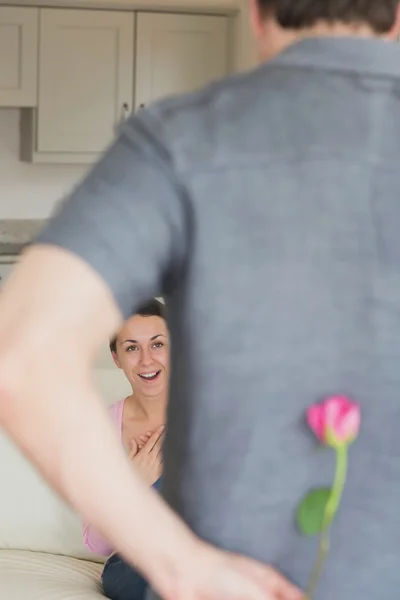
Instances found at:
x=85 y=78
x=178 y=53
x=18 y=56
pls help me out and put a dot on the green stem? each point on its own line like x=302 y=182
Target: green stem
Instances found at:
x=337 y=487
x=322 y=553
x=330 y=512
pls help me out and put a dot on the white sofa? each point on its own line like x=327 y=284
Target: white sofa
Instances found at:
x=41 y=551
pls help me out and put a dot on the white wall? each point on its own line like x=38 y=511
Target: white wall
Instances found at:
x=28 y=191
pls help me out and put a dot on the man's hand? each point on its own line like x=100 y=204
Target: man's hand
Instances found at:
x=212 y=574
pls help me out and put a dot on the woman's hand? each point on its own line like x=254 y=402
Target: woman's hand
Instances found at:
x=143 y=439
x=148 y=458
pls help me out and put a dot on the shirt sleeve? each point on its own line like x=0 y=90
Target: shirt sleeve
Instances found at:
x=128 y=217
x=95 y=542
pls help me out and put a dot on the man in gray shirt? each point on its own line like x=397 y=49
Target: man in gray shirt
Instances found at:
x=265 y=208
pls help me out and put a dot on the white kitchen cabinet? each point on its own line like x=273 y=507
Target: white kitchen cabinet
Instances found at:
x=177 y=53
x=86 y=63
x=18 y=56
x=92 y=73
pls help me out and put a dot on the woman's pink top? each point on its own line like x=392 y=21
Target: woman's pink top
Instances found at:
x=93 y=541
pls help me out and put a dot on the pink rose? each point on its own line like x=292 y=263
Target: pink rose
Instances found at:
x=335 y=421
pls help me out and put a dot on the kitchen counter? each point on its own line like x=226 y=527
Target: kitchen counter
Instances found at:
x=15 y=234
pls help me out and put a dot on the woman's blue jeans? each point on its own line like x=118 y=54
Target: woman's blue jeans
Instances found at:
x=121 y=581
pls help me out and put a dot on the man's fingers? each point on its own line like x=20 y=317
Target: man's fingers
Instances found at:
x=280 y=587
x=275 y=584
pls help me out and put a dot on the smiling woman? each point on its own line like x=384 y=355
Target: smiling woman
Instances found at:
x=141 y=350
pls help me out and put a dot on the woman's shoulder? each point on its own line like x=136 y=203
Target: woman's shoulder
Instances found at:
x=115 y=410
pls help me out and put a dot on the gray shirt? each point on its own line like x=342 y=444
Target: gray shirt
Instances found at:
x=266 y=210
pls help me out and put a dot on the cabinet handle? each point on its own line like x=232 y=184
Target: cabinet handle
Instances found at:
x=124 y=116
x=125 y=111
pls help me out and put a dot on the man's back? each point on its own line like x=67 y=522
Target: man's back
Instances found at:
x=280 y=265
x=291 y=293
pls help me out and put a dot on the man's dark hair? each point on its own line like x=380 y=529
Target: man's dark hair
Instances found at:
x=153 y=308
x=380 y=15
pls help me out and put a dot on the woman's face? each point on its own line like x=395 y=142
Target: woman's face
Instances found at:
x=143 y=354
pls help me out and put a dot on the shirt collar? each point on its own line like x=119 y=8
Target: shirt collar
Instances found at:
x=369 y=56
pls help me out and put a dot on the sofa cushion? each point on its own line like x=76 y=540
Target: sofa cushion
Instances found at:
x=32 y=517
x=38 y=576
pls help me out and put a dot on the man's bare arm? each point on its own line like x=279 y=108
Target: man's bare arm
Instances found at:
x=51 y=327
x=54 y=314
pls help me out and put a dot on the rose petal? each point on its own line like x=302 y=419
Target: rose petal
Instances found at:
x=349 y=425
x=333 y=408
x=315 y=420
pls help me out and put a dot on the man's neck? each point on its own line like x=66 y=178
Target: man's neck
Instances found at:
x=275 y=39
